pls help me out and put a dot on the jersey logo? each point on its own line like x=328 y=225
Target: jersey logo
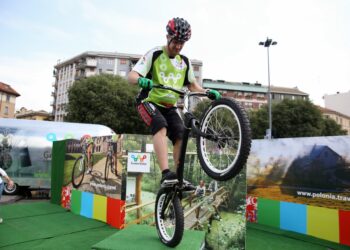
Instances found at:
x=171 y=76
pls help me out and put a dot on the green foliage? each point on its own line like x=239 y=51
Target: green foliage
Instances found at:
x=293 y=118
x=107 y=100
x=200 y=108
x=330 y=126
x=228 y=233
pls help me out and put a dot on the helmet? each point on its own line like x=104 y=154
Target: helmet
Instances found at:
x=179 y=29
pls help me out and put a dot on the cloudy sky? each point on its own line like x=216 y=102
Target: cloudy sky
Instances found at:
x=313 y=50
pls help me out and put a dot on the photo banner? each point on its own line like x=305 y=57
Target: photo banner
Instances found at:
x=313 y=171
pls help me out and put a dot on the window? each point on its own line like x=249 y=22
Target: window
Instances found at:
x=123 y=61
x=8 y=98
x=6 y=112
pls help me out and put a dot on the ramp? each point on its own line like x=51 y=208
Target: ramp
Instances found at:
x=145 y=237
x=42 y=225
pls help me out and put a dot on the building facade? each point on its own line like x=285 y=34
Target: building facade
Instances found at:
x=40 y=115
x=339 y=118
x=339 y=102
x=253 y=95
x=92 y=63
x=7 y=100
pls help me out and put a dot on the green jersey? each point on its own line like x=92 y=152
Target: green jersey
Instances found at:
x=174 y=72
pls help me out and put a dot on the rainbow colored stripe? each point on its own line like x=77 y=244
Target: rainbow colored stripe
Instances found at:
x=98 y=207
x=324 y=223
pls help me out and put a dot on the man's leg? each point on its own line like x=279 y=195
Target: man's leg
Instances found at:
x=161 y=148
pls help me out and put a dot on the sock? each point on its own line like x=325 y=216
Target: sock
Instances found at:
x=165 y=171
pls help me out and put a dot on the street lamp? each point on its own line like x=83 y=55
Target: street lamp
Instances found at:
x=267 y=44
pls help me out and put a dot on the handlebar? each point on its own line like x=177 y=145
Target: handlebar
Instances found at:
x=182 y=93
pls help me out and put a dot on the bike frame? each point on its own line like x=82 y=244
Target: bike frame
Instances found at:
x=190 y=123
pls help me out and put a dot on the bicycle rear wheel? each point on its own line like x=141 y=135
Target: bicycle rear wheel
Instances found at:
x=78 y=171
x=225 y=152
x=108 y=166
x=170 y=224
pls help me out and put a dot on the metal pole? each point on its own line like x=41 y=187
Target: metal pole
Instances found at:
x=269 y=94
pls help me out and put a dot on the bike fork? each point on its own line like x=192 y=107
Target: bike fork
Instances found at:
x=169 y=197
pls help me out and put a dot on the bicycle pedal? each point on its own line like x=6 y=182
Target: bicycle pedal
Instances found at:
x=169 y=183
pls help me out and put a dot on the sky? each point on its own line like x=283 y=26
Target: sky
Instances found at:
x=312 y=51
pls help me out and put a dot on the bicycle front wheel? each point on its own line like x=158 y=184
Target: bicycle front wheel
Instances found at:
x=78 y=171
x=169 y=218
x=225 y=151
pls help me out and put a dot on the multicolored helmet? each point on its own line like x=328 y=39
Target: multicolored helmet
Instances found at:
x=179 y=29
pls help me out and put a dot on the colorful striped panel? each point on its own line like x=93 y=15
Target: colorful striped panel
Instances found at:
x=112 y=211
x=100 y=208
x=75 y=201
x=344 y=226
x=269 y=212
x=86 y=204
x=293 y=217
x=323 y=223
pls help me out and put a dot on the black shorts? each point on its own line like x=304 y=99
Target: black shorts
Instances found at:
x=157 y=117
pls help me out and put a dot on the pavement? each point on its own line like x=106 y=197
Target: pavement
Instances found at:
x=29 y=196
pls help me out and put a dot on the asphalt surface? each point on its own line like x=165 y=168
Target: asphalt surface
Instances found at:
x=29 y=196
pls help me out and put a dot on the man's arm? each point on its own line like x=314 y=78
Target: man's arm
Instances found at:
x=10 y=182
x=133 y=77
x=195 y=87
x=7 y=178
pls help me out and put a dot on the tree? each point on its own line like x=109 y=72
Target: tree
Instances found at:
x=201 y=107
x=293 y=118
x=330 y=126
x=107 y=100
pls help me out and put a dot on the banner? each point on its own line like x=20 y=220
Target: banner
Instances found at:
x=313 y=171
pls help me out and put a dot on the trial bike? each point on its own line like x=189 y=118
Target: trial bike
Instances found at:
x=110 y=160
x=80 y=166
x=223 y=140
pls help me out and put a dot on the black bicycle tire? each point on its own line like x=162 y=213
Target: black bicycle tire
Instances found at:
x=179 y=220
x=107 y=165
x=83 y=173
x=245 y=140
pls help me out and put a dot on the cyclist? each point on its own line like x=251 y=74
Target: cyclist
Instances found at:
x=157 y=107
x=89 y=143
x=117 y=141
x=10 y=184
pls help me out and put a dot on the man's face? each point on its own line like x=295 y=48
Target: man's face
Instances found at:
x=175 y=47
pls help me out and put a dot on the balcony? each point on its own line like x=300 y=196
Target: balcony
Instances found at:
x=88 y=63
x=54 y=84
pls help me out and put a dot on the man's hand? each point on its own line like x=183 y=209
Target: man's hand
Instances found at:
x=145 y=83
x=213 y=94
x=10 y=184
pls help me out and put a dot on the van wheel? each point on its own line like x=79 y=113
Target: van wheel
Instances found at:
x=14 y=190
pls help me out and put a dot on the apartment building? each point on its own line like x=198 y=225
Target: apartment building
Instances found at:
x=92 y=63
x=7 y=100
x=282 y=93
x=341 y=119
x=253 y=95
x=28 y=114
x=339 y=102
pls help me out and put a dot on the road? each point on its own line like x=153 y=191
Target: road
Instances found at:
x=34 y=196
